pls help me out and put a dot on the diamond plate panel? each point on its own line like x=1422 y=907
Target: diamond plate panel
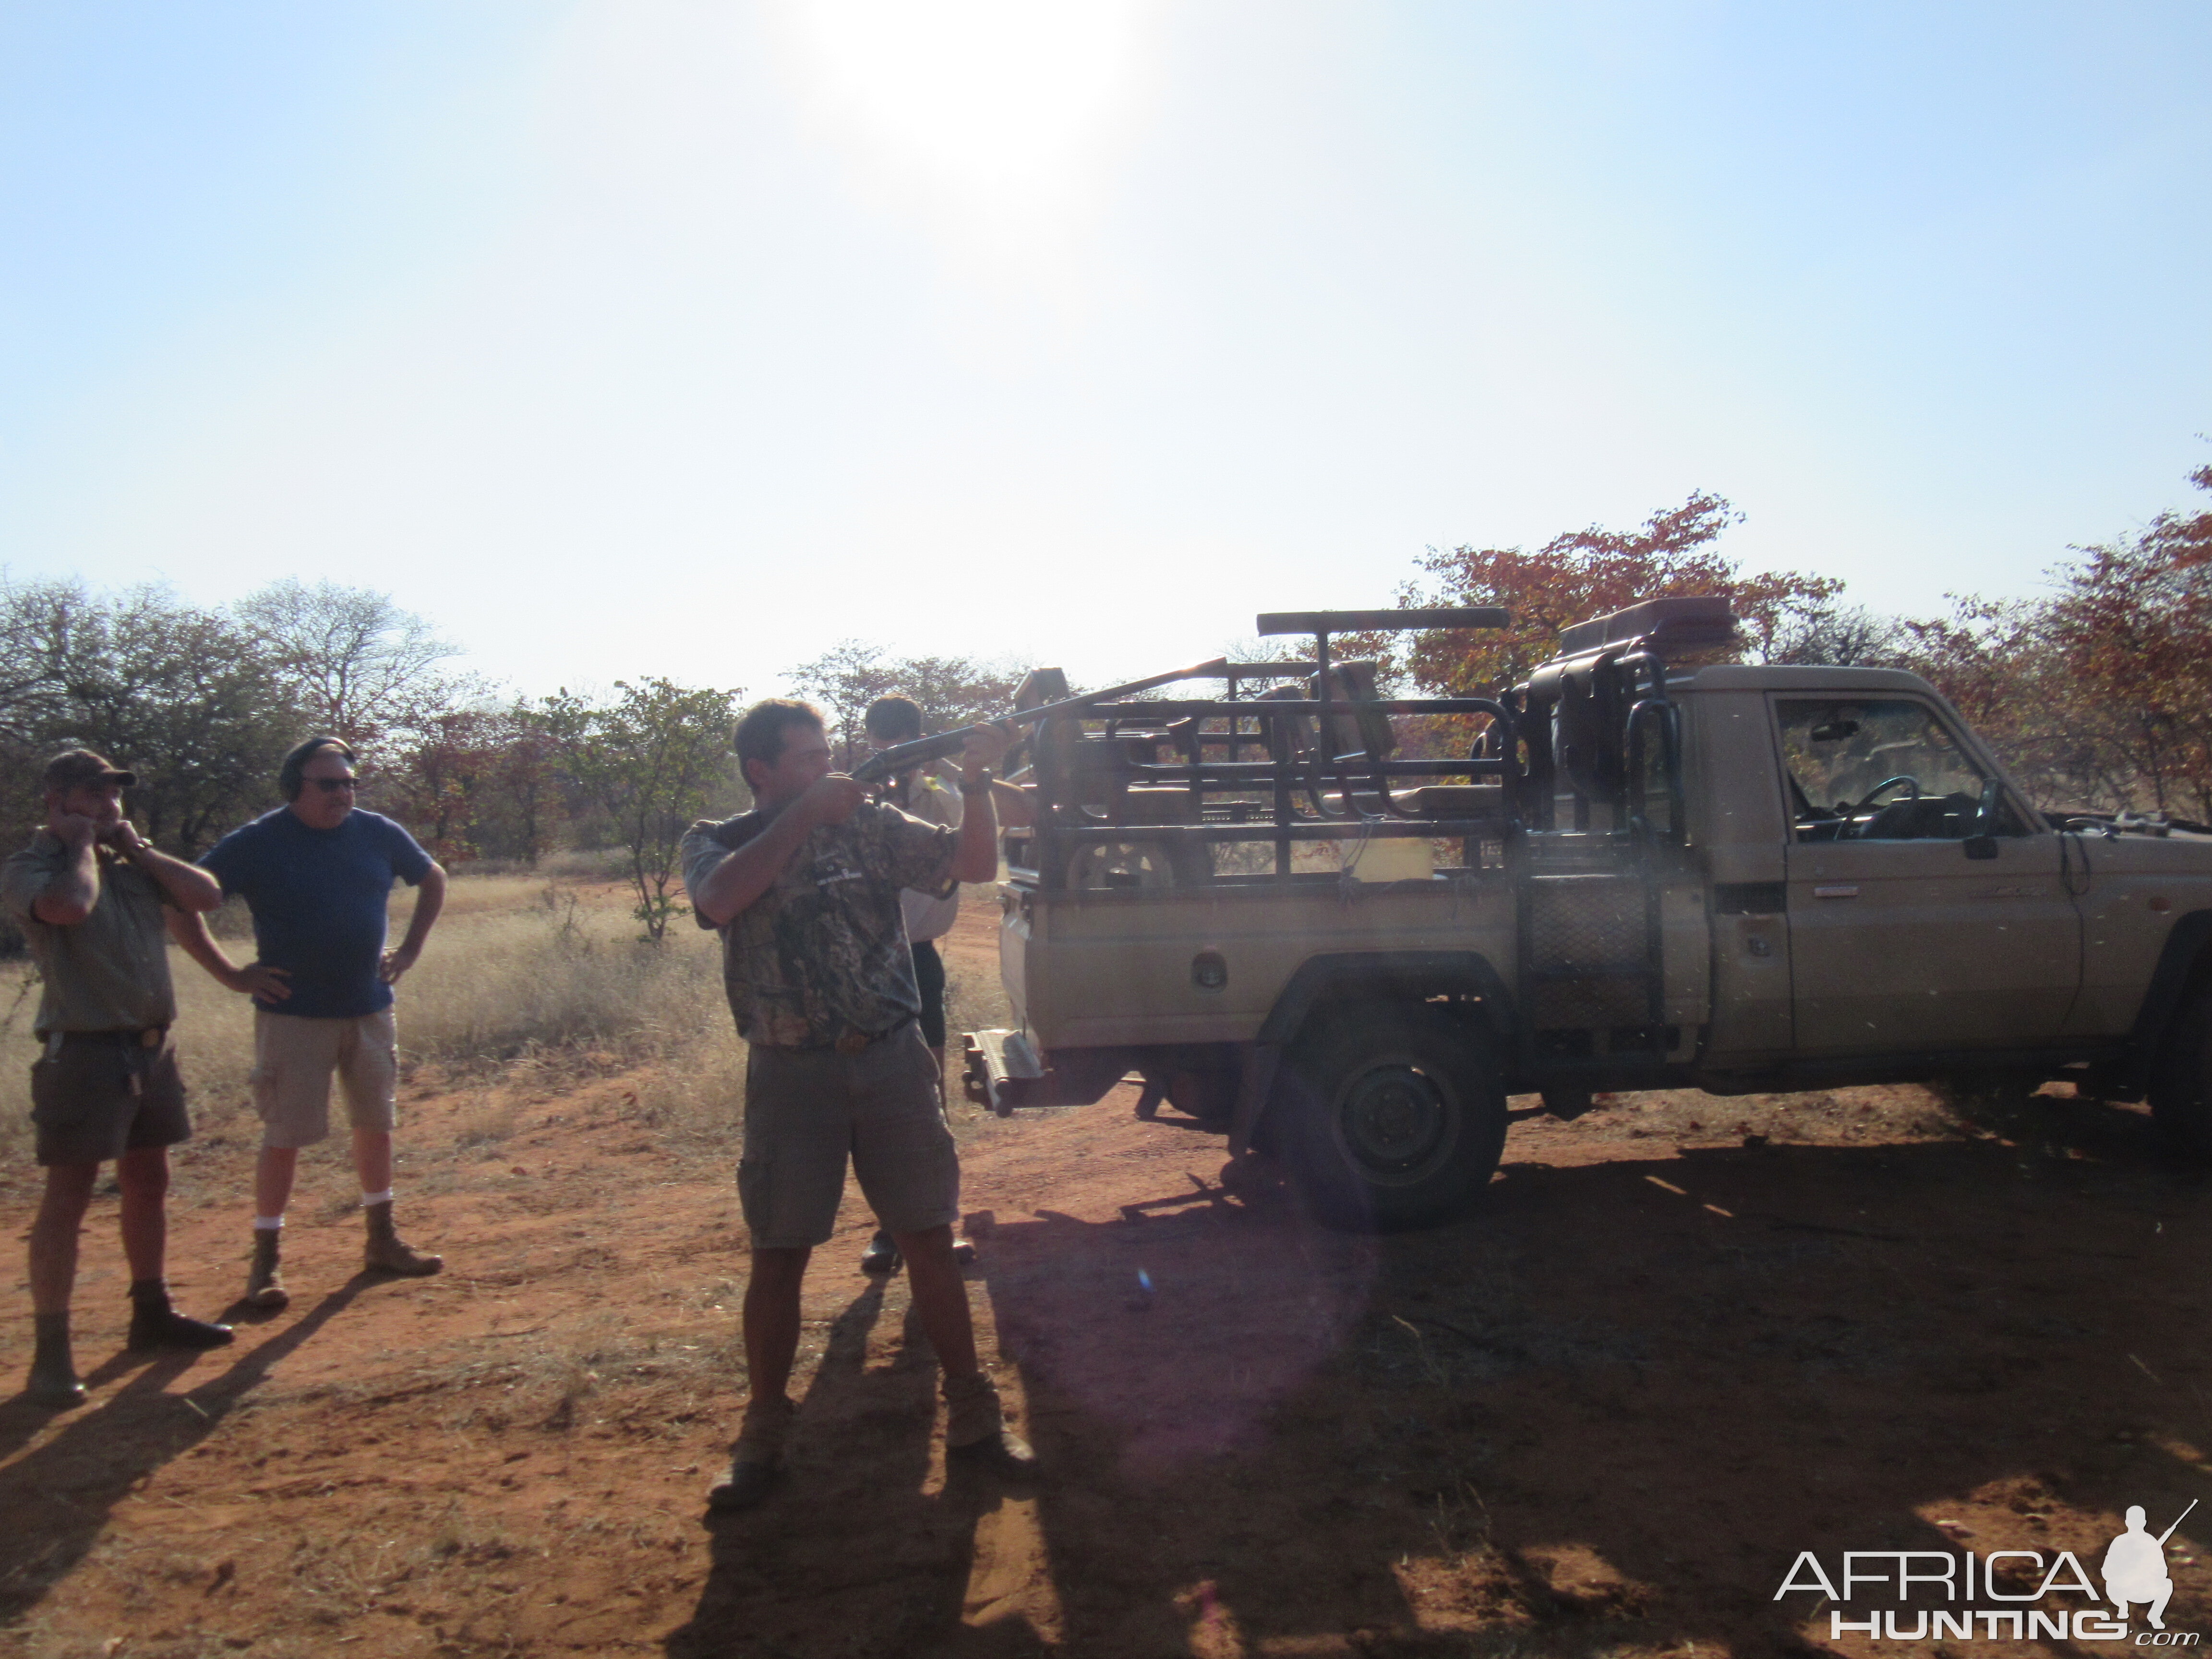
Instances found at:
x=1591 y=927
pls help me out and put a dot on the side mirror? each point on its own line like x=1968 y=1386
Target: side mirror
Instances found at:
x=1985 y=814
x=1980 y=847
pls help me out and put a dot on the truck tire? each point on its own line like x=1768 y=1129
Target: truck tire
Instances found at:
x=1390 y=1117
x=2181 y=1094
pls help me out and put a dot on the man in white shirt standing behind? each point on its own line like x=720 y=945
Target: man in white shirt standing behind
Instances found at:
x=891 y=720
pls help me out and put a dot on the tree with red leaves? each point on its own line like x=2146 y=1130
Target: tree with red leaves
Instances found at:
x=2133 y=625
x=1584 y=573
x=2101 y=695
x=479 y=783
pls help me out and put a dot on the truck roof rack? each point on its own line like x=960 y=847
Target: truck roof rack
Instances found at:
x=1687 y=622
x=1380 y=622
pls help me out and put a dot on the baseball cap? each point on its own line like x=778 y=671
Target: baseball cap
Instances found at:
x=73 y=767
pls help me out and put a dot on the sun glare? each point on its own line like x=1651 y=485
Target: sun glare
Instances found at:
x=1000 y=105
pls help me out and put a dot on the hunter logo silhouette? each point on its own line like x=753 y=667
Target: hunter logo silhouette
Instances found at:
x=2135 y=1567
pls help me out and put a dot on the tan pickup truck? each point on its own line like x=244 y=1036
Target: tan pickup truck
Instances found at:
x=1642 y=876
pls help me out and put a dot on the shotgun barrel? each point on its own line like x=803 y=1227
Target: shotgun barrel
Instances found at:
x=920 y=752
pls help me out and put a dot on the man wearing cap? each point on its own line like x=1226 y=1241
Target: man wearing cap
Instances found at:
x=88 y=893
x=804 y=890
x=317 y=874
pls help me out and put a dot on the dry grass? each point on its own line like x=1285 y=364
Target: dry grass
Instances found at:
x=523 y=969
x=975 y=1001
x=529 y=984
x=526 y=984
x=599 y=863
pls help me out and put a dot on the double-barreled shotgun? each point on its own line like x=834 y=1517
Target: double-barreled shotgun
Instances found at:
x=902 y=756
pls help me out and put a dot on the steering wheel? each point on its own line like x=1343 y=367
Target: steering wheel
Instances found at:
x=1910 y=783
x=1862 y=817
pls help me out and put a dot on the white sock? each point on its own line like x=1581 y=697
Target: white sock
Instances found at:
x=268 y=1223
x=383 y=1197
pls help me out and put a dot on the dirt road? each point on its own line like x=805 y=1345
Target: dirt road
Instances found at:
x=1682 y=1340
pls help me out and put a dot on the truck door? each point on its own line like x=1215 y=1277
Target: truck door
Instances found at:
x=1898 y=939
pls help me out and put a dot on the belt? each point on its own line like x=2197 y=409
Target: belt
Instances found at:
x=857 y=1043
x=149 y=1037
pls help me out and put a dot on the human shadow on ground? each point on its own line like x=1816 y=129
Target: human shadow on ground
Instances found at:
x=860 y=1536
x=58 y=1498
x=1610 y=1407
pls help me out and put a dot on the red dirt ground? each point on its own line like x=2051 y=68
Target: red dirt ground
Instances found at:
x=1600 y=1416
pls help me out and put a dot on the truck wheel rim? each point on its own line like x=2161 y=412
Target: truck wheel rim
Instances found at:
x=1393 y=1121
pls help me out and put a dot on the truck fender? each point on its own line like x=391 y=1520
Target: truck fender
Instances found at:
x=2179 y=964
x=1415 y=975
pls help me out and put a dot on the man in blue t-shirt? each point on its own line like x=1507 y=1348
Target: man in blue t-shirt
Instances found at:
x=317 y=875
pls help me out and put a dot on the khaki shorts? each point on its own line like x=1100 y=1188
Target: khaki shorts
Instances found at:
x=293 y=1060
x=97 y=1097
x=807 y=1111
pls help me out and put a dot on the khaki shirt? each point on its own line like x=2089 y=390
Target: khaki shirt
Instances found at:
x=822 y=954
x=111 y=971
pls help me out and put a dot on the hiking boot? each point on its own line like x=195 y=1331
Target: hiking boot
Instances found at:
x=744 y=1484
x=53 y=1382
x=264 y=1280
x=882 y=1256
x=756 y=1460
x=156 y=1324
x=1003 y=1453
x=975 y=1431
x=387 y=1253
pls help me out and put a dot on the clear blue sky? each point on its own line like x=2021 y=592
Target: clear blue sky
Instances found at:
x=633 y=336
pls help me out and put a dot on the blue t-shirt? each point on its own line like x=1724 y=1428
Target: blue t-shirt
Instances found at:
x=318 y=899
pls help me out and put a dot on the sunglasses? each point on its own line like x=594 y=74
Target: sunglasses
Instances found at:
x=331 y=786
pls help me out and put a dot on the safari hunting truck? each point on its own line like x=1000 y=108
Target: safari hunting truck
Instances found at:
x=1638 y=876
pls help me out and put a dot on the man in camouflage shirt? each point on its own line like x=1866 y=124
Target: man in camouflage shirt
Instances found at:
x=804 y=890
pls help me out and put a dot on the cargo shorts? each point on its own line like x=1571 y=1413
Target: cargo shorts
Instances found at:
x=96 y=1096
x=808 y=1111
x=294 y=1058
